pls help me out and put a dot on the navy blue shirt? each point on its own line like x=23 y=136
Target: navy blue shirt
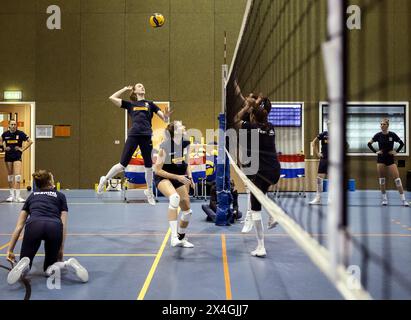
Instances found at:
x=175 y=154
x=141 y=113
x=386 y=141
x=267 y=150
x=323 y=137
x=13 y=140
x=45 y=205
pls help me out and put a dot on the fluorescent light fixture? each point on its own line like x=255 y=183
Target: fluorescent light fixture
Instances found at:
x=13 y=95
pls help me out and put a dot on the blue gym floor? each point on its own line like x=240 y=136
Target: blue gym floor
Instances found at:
x=124 y=249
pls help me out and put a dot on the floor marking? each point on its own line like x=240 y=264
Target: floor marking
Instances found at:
x=150 y=275
x=98 y=255
x=227 y=234
x=4 y=246
x=228 y=294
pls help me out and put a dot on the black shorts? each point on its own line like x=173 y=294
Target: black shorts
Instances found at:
x=146 y=147
x=176 y=184
x=323 y=166
x=386 y=159
x=12 y=157
x=39 y=230
x=263 y=180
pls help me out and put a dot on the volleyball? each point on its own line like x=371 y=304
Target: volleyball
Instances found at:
x=157 y=20
x=210 y=168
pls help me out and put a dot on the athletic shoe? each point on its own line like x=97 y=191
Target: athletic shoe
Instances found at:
x=20 y=199
x=316 y=201
x=384 y=202
x=271 y=223
x=175 y=242
x=101 y=185
x=248 y=223
x=80 y=271
x=186 y=243
x=259 y=252
x=150 y=197
x=10 y=199
x=15 y=274
x=405 y=203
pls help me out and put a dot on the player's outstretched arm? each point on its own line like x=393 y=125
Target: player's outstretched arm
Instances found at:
x=115 y=97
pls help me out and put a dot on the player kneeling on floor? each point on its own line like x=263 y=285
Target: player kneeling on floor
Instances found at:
x=44 y=218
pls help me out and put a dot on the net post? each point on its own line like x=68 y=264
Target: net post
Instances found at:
x=223 y=166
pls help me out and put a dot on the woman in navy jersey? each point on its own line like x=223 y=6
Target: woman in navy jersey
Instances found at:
x=173 y=178
x=141 y=112
x=385 y=159
x=44 y=218
x=323 y=165
x=12 y=141
x=268 y=165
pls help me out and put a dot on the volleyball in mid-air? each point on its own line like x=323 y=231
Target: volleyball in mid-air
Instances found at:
x=157 y=20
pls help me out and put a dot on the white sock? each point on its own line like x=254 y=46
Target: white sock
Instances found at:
x=319 y=186
x=116 y=169
x=12 y=192
x=17 y=193
x=402 y=197
x=384 y=196
x=149 y=178
x=259 y=231
x=173 y=227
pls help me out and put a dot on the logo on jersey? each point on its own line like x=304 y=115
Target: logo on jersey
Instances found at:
x=390 y=138
x=140 y=109
x=17 y=137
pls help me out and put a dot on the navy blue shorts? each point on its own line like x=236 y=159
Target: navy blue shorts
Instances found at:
x=176 y=184
x=146 y=147
x=386 y=159
x=263 y=180
x=323 y=166
x=12 y=156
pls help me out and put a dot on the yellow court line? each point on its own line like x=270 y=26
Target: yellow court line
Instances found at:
x=99 y=255
x=228 y=294
x=4 y=246
x=150 y=275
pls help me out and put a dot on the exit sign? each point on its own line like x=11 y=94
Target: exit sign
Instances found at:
x=13 y=95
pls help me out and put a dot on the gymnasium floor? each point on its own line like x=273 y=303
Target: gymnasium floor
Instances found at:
x=126 y=249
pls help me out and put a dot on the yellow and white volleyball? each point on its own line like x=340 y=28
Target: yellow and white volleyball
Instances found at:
x=209 y=168
x=157 y=20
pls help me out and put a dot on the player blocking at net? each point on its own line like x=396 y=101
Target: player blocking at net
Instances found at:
x=140 y=134
x=268 y=165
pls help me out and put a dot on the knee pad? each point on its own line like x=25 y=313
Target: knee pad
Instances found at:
x=186 y=215
x=10 y=178
x=256 y=215
x=382 y=181
x=174 y=201
x=398 y=182
x=17 y=178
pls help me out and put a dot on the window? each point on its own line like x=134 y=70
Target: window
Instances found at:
x=363 y=122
